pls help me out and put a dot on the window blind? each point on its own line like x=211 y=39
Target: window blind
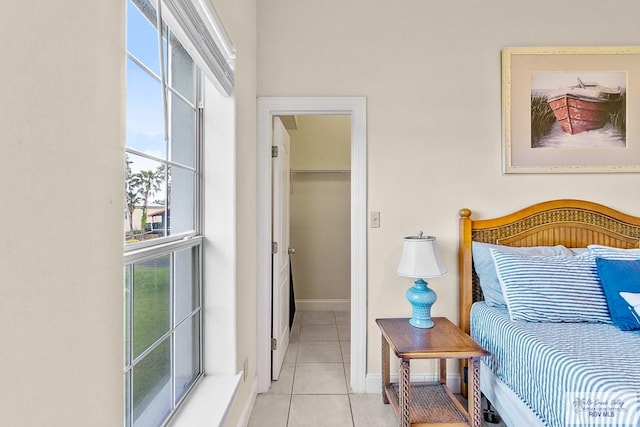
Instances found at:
x=200 y=24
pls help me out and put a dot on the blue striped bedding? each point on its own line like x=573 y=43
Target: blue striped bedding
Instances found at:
x=551 y=365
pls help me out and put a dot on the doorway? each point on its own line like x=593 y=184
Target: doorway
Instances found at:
x=356 y=109
x=320 y=211
x=312 y=249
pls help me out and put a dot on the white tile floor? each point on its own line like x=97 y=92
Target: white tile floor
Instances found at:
x=313 y=388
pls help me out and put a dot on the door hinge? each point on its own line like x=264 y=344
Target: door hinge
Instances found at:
x=274 y=151
x=274 y=247
x=274 y=344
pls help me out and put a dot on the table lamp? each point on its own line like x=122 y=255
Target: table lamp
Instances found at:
x=420 y=261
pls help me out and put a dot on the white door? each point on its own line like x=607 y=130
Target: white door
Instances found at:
x=280 y=237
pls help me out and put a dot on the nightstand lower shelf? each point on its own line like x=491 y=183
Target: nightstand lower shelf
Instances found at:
x=432 y=404
x=429 y=404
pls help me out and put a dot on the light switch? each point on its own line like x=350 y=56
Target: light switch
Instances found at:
x=375 y=219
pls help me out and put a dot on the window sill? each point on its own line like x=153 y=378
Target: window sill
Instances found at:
x=208 y=403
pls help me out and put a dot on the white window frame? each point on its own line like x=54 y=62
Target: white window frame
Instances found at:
x=208 y=403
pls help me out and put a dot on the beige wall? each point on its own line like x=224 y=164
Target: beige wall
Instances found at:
x=431 y=75
x=62 y=133
x=320 y=207
x=321 y=142
x=239 y=18
x=61 y=301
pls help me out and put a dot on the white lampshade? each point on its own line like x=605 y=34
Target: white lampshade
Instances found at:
x=420 y=258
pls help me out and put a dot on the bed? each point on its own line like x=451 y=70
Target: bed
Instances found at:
x=553 y=362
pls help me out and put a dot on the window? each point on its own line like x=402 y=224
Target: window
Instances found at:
x=162 y=231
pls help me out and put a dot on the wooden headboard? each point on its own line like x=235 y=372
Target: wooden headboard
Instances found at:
x=572 y=223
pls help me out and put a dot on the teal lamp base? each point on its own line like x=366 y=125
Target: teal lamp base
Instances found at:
x=421 y=299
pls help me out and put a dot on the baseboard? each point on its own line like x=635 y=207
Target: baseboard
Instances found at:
x=374 y=381
x=323 y=304
x=249 y=404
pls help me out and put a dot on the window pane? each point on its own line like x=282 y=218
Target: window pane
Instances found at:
x=162 y=293
x=151 y=299
x=187 y=354
x=127 y=317
x=181 y=200
x=186 y=282
x=152 y=387
x=183 y=131
x=182 y=76
x=145 y=198
x=145 y=117
x=142 y=36
x=127 y=403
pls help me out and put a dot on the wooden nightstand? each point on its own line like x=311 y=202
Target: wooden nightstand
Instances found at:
x=429 y=404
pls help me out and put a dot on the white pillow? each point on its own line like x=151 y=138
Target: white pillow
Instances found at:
x=578 y=251
x=552 y=289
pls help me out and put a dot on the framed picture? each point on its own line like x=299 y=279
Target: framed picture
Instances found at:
x=571 y=109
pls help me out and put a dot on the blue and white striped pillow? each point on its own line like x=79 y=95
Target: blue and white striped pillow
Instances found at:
x=552 y=289
x=608 y=252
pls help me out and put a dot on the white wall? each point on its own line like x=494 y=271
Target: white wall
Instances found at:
x=431 y=75
x=62 y=137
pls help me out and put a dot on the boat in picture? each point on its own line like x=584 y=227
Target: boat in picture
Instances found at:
x=583 y=107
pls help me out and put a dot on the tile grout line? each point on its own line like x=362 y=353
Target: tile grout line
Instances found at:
x=295 y=362
x=293 y=376
x=344 y=371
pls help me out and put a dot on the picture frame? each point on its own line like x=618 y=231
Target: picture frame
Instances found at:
x=571 y=109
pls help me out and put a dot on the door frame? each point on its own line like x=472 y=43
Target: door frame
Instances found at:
x=268 y=107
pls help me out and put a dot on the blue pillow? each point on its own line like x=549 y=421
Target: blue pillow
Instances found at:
x=486 y=270
x=620 y=281
x=552 y=289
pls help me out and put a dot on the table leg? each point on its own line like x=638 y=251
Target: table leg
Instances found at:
x=405 y=392
x=385 y=369
x=474 y=398
x=464 y=364
x=443 y=371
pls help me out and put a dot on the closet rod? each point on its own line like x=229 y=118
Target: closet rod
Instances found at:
x=320 y=171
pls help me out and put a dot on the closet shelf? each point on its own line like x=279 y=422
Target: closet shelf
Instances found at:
x=320 y=171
